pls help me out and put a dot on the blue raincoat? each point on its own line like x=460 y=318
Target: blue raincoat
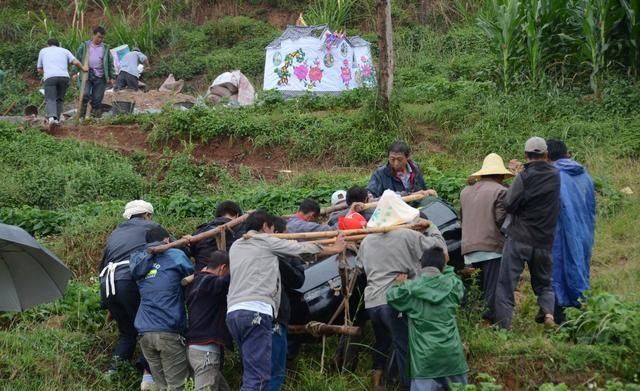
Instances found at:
x=574 y=233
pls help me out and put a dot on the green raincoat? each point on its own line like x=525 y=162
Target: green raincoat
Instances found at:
x=430 y=302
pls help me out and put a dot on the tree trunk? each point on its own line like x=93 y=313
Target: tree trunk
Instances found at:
x=385 y=41
x=424 y=10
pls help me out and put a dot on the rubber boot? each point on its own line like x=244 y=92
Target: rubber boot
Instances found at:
x=376 y=380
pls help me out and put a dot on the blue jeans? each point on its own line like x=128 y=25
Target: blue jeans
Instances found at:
x=390 y=329
x=278 y=357
x=252 y=332
x=438 y=383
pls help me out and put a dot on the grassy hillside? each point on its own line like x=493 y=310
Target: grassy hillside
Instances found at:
x=450 y=103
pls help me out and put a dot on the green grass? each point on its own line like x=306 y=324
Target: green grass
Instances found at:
x=449 y=104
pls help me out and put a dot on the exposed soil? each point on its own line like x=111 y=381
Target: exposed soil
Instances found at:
x=232 y=153
x=153 y=99
x=428 y=138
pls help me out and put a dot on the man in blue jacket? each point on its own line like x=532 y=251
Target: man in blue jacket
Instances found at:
x=161 y=318
x=573 y=241
x=400 y=174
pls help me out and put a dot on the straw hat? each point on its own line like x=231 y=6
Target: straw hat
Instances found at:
x=492 y=165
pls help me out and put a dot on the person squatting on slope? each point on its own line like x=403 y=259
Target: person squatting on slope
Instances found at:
x=128 y=77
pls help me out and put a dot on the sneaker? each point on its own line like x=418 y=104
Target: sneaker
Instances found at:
x=109 y=373
x=549 y=322
x=147 y=383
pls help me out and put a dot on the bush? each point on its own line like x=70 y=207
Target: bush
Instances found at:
x=606 y=320
x=36 y=221
x=46 y=173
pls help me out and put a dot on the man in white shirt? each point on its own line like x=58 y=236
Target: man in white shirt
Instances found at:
x=129 y=73
x=53 y=62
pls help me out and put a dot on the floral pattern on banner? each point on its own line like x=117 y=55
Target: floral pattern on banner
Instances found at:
x=345 y=73
x=283 y=71
x=366 y=72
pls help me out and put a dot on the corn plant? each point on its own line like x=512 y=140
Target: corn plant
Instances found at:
x=336 y=13
x=534 y=29
x=503 y=28
x=121 y=24
x=599 y=20
x=632 y=23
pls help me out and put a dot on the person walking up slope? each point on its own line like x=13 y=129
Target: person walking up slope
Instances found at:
x=101 y=71
x=533 y=202
x=53 y=63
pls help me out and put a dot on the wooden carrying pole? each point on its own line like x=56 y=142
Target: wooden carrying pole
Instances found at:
x=318 y=328
x=83 y=82
x=201 y=236
x=351 y=238
x=347 y=232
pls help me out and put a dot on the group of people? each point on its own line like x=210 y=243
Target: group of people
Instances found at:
x=187 y=305
x=96 y=60
x=545 y=219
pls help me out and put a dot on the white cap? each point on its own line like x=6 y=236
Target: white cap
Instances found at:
x=136 y=207
x=338 y=197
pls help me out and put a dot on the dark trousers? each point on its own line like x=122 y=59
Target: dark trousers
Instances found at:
x=54 y=90
x=278 y=357
x=126 y=80
x=252 y=332
x=93 y=92
x=489 y=274
x=514 y=256
x=123 y=307
x=438 y=383
x=391 y=330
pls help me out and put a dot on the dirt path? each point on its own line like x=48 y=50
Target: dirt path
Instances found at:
x=232 y=153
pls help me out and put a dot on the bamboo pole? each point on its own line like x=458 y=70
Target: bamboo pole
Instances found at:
x=352 y=238
x=352 y=284
x=201 y=236
x=423 y=224
x=83 y=82
x=318 y=328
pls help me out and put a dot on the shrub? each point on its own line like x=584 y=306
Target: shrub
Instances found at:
x=43 y=172
x=33 y=220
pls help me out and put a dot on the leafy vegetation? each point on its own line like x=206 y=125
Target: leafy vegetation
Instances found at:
x=538 y=39
x=459 y=95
